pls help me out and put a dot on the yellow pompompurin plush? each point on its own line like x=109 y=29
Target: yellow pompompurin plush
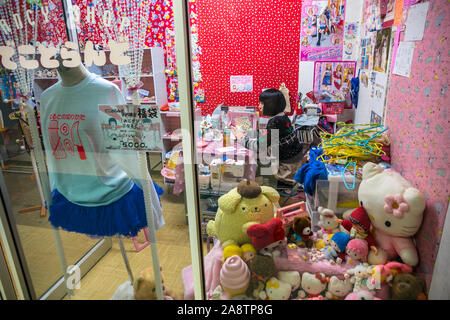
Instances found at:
x=144 y=286
x=240 y=208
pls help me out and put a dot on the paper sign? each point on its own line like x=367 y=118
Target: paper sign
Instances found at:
x=403 y=60
x=241 y=83
x=379 y=91
x=415 y=24
x=131 y=127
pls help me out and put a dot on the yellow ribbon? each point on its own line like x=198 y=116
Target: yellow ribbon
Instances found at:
x=272 y=284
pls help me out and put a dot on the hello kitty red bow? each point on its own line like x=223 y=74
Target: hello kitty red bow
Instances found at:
x=322 y=279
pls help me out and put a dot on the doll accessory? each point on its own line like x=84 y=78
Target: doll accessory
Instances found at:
x=396 y=205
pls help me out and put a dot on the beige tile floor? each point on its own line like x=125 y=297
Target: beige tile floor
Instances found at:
x=36 y=237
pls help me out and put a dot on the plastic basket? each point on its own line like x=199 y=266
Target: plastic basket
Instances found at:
x=333 y=107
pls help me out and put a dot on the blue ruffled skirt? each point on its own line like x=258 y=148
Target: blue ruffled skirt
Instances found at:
x=126 y=216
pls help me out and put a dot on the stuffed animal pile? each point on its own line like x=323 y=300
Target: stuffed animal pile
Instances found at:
x=368 y=255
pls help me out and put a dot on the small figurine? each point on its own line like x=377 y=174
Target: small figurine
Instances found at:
x=358 y=224
x=339 y=243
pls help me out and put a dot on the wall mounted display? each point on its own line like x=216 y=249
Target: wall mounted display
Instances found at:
x=322 y=30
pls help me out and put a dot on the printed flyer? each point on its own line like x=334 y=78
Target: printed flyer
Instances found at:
x=131 y=127
x=322 y=30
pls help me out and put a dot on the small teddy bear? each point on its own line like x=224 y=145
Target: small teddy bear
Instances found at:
x=301 y=232
x=145 y=289
x=407 y=286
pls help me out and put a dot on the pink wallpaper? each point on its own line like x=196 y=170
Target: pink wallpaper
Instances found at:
x=417 y=114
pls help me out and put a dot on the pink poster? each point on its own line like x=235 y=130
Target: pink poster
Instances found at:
x=333 y=76
x=322 y=30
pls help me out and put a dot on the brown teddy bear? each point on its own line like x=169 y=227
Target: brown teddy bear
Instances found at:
x=301 y=232
x=262 y=268
x=407 y=286
x=144 y=286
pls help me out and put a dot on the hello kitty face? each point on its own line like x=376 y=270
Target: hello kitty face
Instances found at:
x=339 y=288
x=378 y=186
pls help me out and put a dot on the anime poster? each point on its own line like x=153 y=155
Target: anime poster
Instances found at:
x=131 y=127
x=367 y=48
x=351 y=49
x=387 y=10
x=381 y=50
x=322 y=30
x=371 y=15
x=334 y=76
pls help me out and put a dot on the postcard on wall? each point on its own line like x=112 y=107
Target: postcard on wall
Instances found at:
x=367 y=47
x=415 y=24
x=241 y=83
x=131 y=127
x=375 y=118
x=322 y=30
x=381 y=50
x=333 y=76
x=403 y=60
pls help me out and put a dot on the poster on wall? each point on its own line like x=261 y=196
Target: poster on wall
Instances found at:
x=333 y=76
x=350 y=49
x=388 y=12
x=241 y=83
x=367 y=47
x=371 y=16
x=381 y=50
x=131 y=127
x=322 y=30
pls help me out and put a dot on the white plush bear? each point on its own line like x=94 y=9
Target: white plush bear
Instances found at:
x=395 y=210
x=291 y=277
x=359 y=276
x=313 y=285
x=327 y=222
x=276 y=290
x=338 y=289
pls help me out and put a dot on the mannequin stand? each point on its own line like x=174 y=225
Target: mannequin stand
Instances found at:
x=125 y=259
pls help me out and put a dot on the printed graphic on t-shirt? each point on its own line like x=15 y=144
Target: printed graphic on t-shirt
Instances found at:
x=64 y=135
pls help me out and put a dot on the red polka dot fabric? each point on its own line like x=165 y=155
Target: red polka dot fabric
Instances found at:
x=247 y=37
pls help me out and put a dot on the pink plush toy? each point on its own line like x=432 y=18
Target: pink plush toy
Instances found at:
x=395 y=210
x=357 y=250
x=361 y=295
x=385 y=273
